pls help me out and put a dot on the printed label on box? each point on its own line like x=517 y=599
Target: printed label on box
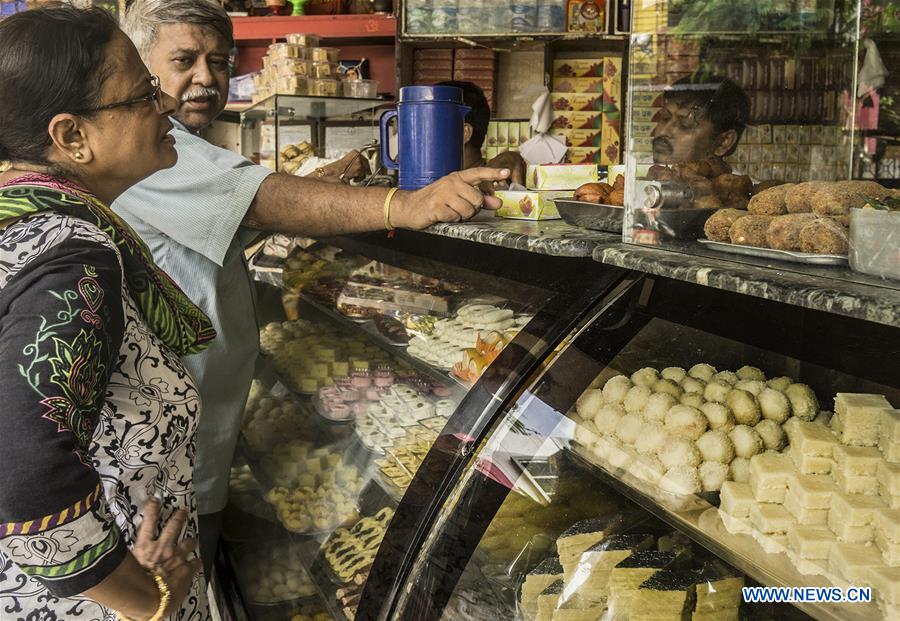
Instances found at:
x=576 y=120
x=578 y=102
x=578 y=85
x=578 y=68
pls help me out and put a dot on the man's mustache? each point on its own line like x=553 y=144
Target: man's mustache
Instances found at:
x=662 y=144
x=199 y=93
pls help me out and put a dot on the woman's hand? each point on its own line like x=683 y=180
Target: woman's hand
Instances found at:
x=165 y=556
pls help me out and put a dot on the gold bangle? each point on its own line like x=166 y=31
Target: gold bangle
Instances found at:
x=387 y=209
x=164 y=596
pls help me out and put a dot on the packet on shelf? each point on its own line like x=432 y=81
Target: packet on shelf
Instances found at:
x=559 y=176
x=527 y=205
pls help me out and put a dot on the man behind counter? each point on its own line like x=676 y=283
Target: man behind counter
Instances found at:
x=197 y=216
x=475 y=130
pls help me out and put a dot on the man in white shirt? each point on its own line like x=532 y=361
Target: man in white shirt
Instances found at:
x=197 y=217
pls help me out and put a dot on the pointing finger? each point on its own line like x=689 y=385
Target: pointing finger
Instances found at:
x=474 y=176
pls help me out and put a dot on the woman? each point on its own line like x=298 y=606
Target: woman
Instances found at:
x=97 y=414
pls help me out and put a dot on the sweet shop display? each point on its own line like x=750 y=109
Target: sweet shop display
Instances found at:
x=401 y=416
x=275 y=573
x=270 y=419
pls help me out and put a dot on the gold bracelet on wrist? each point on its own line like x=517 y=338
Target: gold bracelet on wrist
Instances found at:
x=387 y=209
x=164 y=596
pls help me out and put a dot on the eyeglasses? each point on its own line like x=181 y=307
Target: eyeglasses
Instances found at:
x=155 y=98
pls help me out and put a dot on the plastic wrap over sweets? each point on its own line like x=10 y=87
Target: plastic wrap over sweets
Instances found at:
x=543 y=148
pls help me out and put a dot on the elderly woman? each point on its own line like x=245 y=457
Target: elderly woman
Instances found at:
x=98 y=414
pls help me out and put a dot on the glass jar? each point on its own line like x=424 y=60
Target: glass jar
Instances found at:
x=324 y=54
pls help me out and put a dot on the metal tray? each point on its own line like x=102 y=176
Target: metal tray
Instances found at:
x=778 y=255
x=592 y=216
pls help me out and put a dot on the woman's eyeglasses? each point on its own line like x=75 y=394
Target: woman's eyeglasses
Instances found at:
x=155 y=98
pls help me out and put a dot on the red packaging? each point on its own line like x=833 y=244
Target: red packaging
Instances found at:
x=426 y=54
x=474 y=52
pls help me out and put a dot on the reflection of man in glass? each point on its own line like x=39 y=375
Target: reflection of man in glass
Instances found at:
x=702 y=115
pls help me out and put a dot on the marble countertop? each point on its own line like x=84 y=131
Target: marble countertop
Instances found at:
x=550 y=237
x=833 y=290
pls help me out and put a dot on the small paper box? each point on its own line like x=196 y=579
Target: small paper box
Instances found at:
x=559 y=176
x=527 y=205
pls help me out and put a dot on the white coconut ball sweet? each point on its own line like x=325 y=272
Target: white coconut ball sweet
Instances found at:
x=751 y=373
x=679 y=452
x=727 y=377
x=586 y=433
x=716 y=446
x=616 y=388
x=653 y=436
x=692 y=399
x=780 y=383
x=774 y=405
x=712 y=475
x=686 y=421
x=702 y=371
x=657 y=406
x=607 y=418
x=636 y=399
x=718 y=415
x=589 y=402
x=754 y=387
x=804 y=403
x=739 y=469
x=668 y=387
x=681 y=480
x=746 y=440
x=629 y=428
x=694 y=385
x=772 y=434
x=744 y=406
x=717 y=391
x=645 y=377
x=675 y=374
x=824 y=418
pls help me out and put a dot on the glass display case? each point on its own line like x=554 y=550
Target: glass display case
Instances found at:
x=379 y=367
x=280 y=121
x=681 y=444
x=746 y=125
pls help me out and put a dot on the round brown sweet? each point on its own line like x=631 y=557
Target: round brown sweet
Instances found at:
x=824 y=236
x=770 y=202
x=730 y=184
x=836 y=200
x=716 y=227
x=750 y=230
x=797 y=199
x=784 y=231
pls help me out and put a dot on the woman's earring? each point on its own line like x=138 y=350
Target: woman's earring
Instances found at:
x=78 y=155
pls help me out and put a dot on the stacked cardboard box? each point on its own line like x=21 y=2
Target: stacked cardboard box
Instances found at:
x=505 y=136
x=478 y=66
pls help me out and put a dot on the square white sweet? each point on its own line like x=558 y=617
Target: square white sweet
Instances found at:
x=854 y=509
x=850 y=484
x=773 y=495
x=770 y=470
x=803 y=515
x=891 y=452
x=811 y=542
x=859 y=461
x=861 y=416
x=854 y=561
x=810 y=464
x=886 y=584
x=893 y=502
x=812 y=439
x=847 y=533
x=735 y=499
x=812 y=491
x=771 y=519
x=888 y=476
x=890 y=427
x=887 y=524
x=890 y=551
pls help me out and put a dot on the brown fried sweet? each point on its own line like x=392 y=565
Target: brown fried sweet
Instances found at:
x=784 y=231
x=710 y=201
x=736 y=202
x=835 y=200
x=716 y=227
x=871 y=189
x=696 y=169
x=824 y=236
x=718 y=166
x=798 y=199
x=728 y=184
x=619 y=183
x=770 y=202
x=762 y=186
x=658 y=172
x=700 y=186
x=616 y=197
x=593 y=192
x=750 y=230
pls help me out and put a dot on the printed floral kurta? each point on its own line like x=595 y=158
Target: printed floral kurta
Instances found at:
x=96 y=416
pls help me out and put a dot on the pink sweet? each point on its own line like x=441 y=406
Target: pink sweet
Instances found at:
x=339 y=411
x=373 y=394
x=350 y=394
x=343 y=381
x=361 y=381
x=328 y=392
x=384 y=381
x=359 y=408
x=441 y=391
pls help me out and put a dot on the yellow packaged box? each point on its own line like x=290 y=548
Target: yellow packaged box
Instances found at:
x=583 y=138
x=528 y=205
x=559 y=176
x=578 y=85
x=580 y=155
x=577 y=102
x=576 y=120
x=578 y=68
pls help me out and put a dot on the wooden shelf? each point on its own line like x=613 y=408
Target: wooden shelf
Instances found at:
x=328 y=27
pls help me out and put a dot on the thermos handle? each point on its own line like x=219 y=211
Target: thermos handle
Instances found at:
x=386 y=159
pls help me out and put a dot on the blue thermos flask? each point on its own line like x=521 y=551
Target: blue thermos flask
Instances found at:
x=430 y=131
